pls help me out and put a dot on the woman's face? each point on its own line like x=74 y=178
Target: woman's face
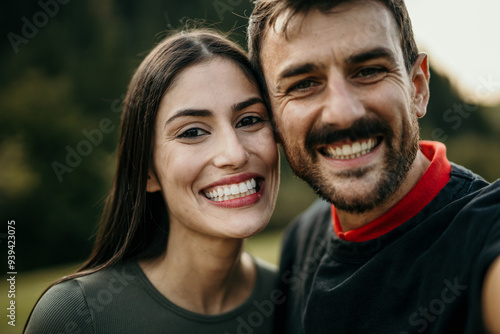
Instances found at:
x=215 y=157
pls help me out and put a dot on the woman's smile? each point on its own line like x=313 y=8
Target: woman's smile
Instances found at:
x=236 y=192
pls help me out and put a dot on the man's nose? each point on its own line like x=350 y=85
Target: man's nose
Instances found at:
x=341 y=104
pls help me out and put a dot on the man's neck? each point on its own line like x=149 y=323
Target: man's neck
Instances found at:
x=350 y=221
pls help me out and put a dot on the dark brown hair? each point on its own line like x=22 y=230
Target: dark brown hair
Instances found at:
x=134 y=224
x=266 y=13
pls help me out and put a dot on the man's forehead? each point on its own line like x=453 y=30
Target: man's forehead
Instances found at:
x=288 y=26
x=357 y=24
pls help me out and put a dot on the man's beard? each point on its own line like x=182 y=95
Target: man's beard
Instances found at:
x=396 y=165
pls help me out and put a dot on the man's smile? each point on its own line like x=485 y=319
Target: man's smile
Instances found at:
x=350 y=150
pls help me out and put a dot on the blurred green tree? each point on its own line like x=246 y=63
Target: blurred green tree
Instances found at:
x=59 y=114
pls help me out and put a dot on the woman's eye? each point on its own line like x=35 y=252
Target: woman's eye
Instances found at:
x=249 y=120
x=192 y=133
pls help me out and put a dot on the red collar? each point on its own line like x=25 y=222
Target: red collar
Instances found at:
x=434 y=179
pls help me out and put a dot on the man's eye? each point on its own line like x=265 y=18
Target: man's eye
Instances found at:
x=303 y=85
x=371 y=72
x=248 y=120
x=192 y=133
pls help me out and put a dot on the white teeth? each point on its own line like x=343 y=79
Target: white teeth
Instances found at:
x=346 y=150
x=356 y=147
x=352 y=151
x=235 y=190
x=232 y=191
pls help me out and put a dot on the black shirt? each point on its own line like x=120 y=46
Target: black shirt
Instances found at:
x=425 y=276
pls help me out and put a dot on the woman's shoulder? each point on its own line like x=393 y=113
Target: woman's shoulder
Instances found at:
x=61 y=309
x=71 y=306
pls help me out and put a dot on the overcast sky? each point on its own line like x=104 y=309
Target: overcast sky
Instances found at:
x=462 y=38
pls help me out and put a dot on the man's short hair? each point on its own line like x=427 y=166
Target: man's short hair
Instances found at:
x=266 y=13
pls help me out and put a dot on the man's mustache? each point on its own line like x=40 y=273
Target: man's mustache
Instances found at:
x=363 y=128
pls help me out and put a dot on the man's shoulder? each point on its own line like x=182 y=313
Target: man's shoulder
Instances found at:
x=314 y=221
x=469 y=179
x=487 y=200
x=474 y=189
x=314 y=215
x=317 y=210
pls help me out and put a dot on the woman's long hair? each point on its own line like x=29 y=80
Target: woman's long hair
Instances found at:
x=134 y=223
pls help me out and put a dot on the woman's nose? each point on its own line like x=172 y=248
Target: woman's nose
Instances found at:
x=231 y=151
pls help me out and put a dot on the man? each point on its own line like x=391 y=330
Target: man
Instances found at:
x=409 y=242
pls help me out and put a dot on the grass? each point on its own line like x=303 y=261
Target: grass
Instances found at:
x=30 y=285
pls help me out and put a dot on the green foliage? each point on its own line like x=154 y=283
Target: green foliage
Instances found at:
x=470 y=132
x=67 y=81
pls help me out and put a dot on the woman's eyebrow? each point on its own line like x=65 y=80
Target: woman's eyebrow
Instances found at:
x=189 y=112
x=247 y=103
x=207 y=113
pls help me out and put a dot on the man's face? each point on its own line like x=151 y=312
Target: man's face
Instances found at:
x=344 y=105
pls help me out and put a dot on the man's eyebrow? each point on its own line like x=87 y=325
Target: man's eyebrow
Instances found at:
x=247 y=103
x=189 y=112
x=380 y=52
x=294 y=70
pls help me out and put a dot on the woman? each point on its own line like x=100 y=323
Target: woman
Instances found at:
x=197 y=173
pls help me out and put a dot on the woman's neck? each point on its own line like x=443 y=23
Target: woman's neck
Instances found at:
x=203 y=275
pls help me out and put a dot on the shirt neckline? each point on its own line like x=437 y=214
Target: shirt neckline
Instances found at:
x=165 y=302
x=430 y=184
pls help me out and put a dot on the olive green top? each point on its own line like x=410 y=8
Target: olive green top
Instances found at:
x=121 y=299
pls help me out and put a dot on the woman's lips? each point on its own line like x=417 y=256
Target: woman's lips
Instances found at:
x=240 y=194
x=232 y=191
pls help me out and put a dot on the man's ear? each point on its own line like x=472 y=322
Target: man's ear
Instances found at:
x=420 y=79
x=153 y=184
